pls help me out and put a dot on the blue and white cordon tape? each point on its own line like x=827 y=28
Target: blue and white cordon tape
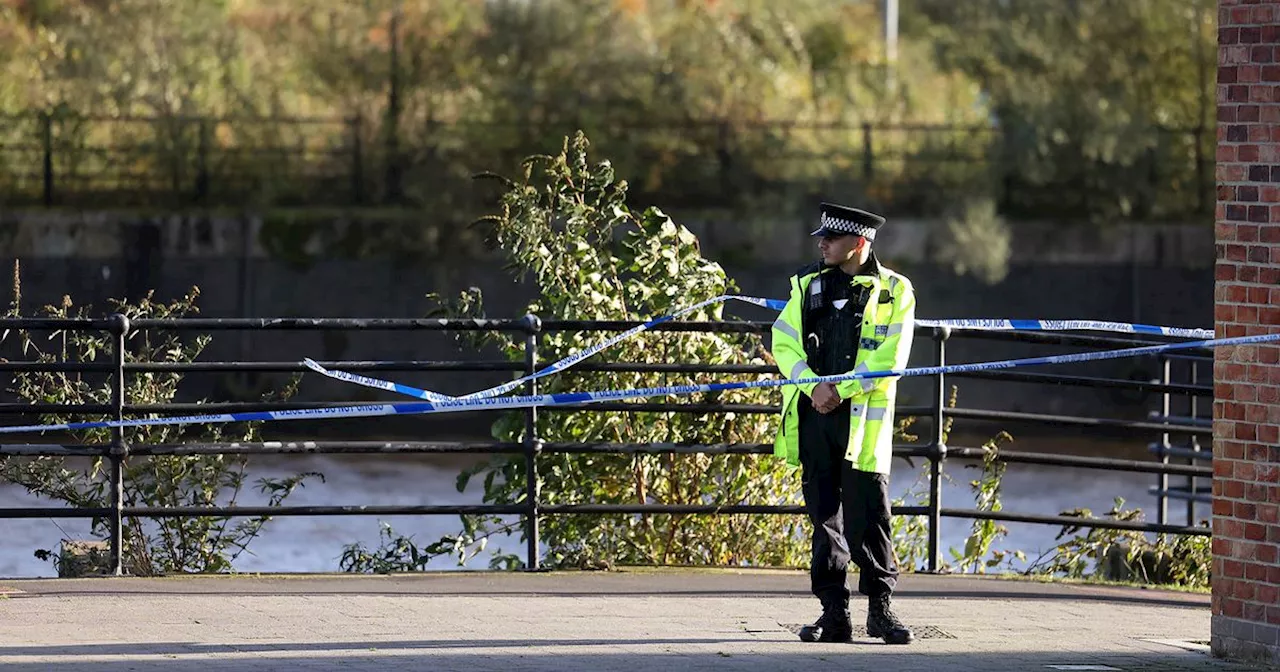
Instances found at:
x=506 y=403
x=1069 y=325
x=557 y=367
x=773 y=304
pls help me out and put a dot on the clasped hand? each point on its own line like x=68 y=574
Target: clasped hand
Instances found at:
x=825 y=398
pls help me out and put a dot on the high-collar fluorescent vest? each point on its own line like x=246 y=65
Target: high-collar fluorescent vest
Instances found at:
x=887 y=331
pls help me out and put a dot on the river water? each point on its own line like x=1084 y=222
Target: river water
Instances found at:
x=314 y=544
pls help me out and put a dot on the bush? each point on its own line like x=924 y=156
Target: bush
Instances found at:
x=151 y=546
x=1127 y=555
x=566 y=226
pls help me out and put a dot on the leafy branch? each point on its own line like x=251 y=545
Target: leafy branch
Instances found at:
x=151 y=546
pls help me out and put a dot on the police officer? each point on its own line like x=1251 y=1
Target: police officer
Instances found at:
x=847 y=313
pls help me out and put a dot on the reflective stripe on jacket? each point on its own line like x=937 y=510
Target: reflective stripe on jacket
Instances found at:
x=888 y=329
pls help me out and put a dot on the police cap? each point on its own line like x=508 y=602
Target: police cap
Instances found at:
x=839 y=220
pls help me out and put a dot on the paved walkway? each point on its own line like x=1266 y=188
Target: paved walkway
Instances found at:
x=647 y=621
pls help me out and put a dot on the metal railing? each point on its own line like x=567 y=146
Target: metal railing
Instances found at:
x=70 y=159
x=1197 y=414
x=935 y=450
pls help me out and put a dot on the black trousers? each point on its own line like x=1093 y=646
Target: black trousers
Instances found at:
x=849 y=510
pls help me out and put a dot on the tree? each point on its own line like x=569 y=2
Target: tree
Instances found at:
x=1106 y=98
x=98 y=65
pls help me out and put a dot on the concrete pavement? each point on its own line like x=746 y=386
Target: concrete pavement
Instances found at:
x=570 y=621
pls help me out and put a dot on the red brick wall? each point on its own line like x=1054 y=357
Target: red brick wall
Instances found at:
x=1246 y=409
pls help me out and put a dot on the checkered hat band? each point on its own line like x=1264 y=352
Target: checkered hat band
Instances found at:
x=848 y=226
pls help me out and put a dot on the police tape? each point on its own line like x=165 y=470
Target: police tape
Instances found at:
x=556 y=367
x=773 y=304
x=984 y=324
x=572 y=398
x=1068 y=325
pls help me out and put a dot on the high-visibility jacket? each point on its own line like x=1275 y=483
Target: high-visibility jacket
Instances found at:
x=888 y=327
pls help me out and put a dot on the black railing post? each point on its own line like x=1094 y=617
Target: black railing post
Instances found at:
x=1162 y=480
x=1153 y=181
x=938 y=454
x=203 y=140
x=357 y=158
x=119 y=327
x=394 y=191
x=532 y=445
x=1195 y=445
x=1201 y=187
x=868 y=154
x=46 y=143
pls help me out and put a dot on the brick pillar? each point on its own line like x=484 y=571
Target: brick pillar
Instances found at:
x=1246 y=408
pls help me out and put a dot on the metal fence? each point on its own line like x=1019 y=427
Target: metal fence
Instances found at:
x=1194 y=411
x=534 y=507
x=67 y=159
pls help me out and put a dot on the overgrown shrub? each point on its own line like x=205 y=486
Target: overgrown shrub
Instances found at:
x=1126 y=555
x=566 y=226
x=151 y=546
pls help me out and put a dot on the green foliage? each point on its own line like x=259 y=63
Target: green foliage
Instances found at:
x=976 y=240
x=1099 y=97
x=128 y=57
x=398 y=553
x=1127 y=555
x=911 y=533
x=977 y=555
x=157 y=546
x=1082 y=553
x=567 y=227
x=1122 y=555
x=1093 y=103
x=674 y=91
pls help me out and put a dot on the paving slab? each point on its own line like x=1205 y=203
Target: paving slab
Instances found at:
x=571 y=621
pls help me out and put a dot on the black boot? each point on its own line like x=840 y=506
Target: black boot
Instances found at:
x=834 y=625
x=883 y=623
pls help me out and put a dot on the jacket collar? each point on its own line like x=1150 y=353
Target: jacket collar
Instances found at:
x=872 y=268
